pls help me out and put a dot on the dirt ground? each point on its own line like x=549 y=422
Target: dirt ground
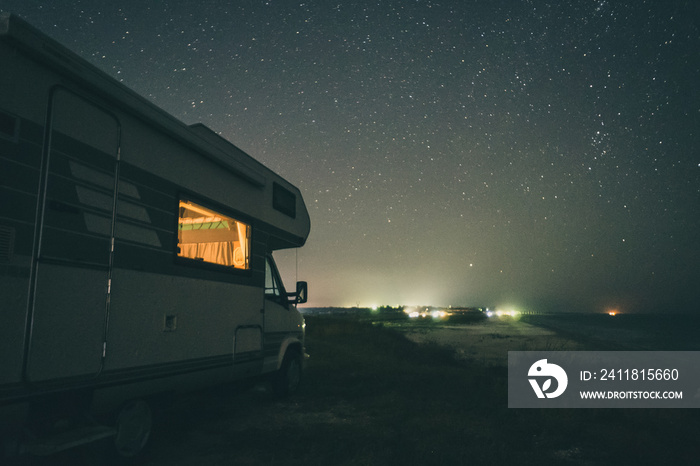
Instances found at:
x=489 y=341
x=370 y=396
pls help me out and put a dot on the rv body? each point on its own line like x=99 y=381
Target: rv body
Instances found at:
x=135 y=251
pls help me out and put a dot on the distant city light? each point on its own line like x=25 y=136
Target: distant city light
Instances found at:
x=427 y=312
x=502 y=313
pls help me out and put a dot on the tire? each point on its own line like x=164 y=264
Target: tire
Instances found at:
x=287 y=379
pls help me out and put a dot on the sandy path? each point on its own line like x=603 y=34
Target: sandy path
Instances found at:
x=488 y=342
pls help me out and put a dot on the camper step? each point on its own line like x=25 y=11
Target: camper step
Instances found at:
x=64 y=440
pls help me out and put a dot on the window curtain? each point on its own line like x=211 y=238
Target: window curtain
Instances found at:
x=241 y=258
x=216 y=252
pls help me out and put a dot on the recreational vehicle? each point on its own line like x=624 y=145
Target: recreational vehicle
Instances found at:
x=135 y=255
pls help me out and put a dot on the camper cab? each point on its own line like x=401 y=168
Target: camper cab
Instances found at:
x=135 y=253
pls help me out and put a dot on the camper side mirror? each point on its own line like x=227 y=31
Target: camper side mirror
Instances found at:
x=301 y=295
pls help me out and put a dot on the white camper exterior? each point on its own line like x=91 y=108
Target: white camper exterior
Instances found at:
x=135 y=251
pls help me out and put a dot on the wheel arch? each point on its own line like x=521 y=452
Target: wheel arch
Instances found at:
x=290 y=343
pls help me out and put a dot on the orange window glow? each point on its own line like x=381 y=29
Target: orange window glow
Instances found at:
x=209 y=236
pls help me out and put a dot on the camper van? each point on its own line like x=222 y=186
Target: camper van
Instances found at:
x=135 y=256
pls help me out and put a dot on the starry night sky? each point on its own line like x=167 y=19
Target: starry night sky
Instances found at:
x=543 y=155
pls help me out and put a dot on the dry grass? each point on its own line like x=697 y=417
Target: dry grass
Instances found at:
x=372 y=397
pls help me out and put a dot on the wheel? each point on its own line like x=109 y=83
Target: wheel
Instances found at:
x=133 y=427
x=287 y=379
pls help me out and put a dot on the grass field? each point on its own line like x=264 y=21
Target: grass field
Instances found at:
x=370 y=396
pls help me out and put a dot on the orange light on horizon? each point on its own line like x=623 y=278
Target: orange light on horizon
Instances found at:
x=612 y=313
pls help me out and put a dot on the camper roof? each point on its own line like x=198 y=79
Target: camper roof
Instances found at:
x=31 y=40
x=197 y=137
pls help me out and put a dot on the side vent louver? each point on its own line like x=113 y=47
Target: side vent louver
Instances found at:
x=284 y=200
x=9 y=126
x=7 y=242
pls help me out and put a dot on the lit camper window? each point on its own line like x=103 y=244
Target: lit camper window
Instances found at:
x=208 y=236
